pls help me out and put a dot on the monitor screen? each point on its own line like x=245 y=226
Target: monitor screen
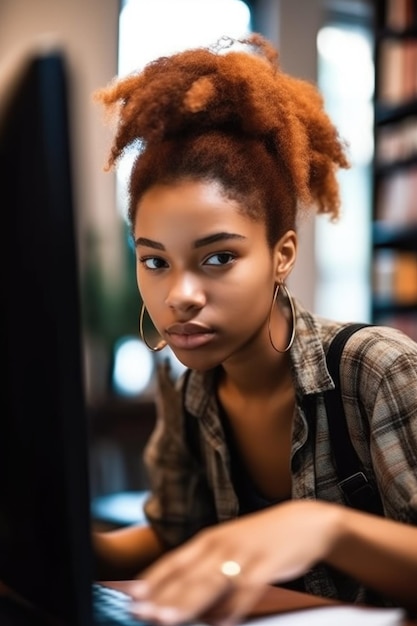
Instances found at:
x=43 y=439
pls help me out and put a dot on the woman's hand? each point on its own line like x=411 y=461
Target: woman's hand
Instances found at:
x=232 y=562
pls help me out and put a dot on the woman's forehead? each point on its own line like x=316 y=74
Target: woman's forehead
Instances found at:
x=194 y=200
x=192 y=211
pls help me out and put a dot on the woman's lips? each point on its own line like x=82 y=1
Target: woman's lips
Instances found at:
x=189 y=336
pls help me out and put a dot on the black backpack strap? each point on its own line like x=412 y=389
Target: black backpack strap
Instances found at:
x=191 y=426
x=357 y=489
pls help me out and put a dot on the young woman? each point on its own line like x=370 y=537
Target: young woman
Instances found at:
x=231 y=151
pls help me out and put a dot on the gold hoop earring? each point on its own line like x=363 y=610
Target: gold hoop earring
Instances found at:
x=291 y=303
x=160 y=345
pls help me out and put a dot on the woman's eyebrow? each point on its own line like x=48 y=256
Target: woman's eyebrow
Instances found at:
x=204 y=241
x=199 y=243
x=143 y=241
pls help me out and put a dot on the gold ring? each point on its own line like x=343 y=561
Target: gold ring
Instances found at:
x=230 y=569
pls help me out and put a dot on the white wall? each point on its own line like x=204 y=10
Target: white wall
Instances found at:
x=86 y=30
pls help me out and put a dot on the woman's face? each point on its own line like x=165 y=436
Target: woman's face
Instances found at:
x=204 y=271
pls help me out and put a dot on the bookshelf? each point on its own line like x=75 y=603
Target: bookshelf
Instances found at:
x=394 y=239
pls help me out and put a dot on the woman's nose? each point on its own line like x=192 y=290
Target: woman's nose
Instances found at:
x=185 y=292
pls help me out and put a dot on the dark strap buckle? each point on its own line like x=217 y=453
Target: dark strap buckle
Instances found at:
x=358 y=491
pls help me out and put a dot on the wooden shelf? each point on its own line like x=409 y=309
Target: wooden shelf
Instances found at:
x=398 y=34
x=390 y=114
x=382 y=306
x=382 y=170
x=395 y=59
x=393 y=236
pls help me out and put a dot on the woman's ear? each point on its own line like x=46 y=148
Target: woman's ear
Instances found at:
x=285 y=254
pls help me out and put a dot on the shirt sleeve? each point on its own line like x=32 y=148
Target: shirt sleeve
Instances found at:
x=385 y=370
x=180 y=502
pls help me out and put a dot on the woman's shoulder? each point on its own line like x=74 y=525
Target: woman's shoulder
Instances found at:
x=375 y=356
x=377 y=344
x=375 y=348
x=379 y=364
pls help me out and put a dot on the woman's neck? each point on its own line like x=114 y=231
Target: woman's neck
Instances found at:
x=259 y=375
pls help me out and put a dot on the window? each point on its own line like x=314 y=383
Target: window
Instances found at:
x=149 y=29
x=343 y=250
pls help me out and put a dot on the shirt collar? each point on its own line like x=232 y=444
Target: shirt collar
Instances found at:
x=307 y=354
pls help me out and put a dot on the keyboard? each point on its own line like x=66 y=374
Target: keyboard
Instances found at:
x=111 y=607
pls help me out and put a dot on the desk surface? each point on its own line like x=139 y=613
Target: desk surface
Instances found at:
x=274 y=601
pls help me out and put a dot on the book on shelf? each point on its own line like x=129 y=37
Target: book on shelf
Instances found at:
x=397 y=142
x=395 y=276
x=399 y=14
x=396 y=198
x=397 y=70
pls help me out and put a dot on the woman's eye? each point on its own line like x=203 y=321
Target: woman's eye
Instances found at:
x=153 y=263
x=221 y=258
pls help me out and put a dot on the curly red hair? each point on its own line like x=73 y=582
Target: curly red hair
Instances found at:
x=231 y=115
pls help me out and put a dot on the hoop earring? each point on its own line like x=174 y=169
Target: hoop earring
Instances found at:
x=160 y=345
x=291 y=303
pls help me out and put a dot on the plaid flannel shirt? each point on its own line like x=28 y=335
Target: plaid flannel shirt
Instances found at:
x=379 y=390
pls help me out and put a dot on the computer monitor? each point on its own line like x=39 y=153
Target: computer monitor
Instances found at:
x=43 y=436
